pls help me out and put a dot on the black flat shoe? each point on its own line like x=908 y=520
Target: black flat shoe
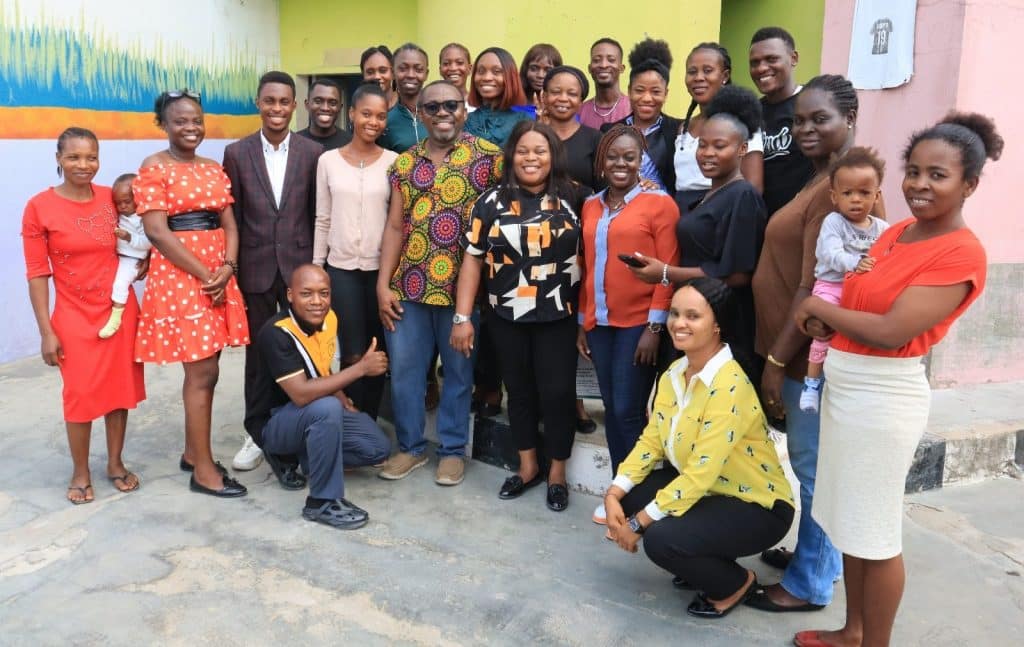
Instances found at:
x=287 y=473
x=703 y=608
x=231 y=489
x=682 y=584
x=758 y=598
x=777 y=557
x=558 y=497
x=585 y=425
x=185 y=466
x=513 y=487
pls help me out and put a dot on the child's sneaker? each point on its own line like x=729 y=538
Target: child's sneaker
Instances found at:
x=810 y=395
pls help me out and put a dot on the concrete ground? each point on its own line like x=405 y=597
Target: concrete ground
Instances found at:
x=452 y=566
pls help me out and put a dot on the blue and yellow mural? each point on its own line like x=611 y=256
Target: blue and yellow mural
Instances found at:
x=101 y=66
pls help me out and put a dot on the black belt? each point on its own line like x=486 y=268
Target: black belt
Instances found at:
x=194 y=221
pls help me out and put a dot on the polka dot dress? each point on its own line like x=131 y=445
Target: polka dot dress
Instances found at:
x=178 y=323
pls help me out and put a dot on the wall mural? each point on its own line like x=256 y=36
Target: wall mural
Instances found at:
x=101 y=64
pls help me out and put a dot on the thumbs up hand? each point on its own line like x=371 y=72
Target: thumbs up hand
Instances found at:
x=374 y=362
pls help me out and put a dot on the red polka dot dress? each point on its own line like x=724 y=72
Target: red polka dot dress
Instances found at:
x=178 y=323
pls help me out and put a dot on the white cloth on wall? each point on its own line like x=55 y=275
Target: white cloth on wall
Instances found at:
x=882 y=44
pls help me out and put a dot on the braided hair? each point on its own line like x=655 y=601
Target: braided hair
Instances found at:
x=843 y=95
x=616 y=131
x=973 y=134
x=726 y=66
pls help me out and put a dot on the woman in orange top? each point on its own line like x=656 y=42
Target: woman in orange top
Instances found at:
x=621 y=318
x=928 y=270
x=192 y=307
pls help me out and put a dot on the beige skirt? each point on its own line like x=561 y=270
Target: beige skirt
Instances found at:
x=873 y=413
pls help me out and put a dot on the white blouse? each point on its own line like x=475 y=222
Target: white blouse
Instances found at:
x=351 y=211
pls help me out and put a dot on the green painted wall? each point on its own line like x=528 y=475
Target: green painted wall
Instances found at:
x=327 y=38
x=802 y=18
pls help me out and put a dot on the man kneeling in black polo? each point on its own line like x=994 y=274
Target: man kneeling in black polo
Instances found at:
x=306 y=413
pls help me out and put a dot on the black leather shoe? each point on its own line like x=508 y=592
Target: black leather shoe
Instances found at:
x=586 y=425
x=558 y=497
x=703 y=608
x=514 y=486
x=231 y=489
x=185 y=466
x=682 y=584
x=777 y=557
x=287 y=473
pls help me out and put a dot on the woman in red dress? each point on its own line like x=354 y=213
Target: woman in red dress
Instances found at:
x=68 y=234
x=192 y=307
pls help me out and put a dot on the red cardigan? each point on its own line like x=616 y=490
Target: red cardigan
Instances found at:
x=647 y=224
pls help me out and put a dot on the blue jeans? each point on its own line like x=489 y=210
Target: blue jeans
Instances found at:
x=327 y=439
x=816 y=563
x=624 y=387
x=411 y=347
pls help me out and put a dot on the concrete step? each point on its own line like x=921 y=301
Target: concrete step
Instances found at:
x=973 y=433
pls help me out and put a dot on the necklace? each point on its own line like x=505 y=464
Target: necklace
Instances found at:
x=179 y=158
x=714 y=191
x=610 y=110
x=191 y=163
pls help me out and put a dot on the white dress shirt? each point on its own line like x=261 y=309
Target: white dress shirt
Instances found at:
x=277 y=162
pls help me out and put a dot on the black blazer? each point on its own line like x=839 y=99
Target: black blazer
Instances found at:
x=665 y=162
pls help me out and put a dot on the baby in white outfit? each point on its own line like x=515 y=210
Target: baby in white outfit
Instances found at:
x=132 y=247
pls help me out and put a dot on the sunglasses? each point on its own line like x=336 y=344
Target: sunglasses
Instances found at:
x=177 y=94
x=431 y=108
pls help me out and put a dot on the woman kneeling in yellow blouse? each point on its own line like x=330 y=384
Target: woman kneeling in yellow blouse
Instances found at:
x=721 y=492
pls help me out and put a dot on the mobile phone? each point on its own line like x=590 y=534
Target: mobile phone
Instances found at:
x=631 y=260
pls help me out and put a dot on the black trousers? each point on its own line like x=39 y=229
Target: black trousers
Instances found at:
x=354 y=301
x=538 y=365
x=702 y=545
x=260 y=307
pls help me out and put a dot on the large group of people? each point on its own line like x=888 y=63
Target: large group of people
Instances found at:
x=507 y=223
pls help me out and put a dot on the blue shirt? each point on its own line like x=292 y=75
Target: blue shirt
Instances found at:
x=404 y=130
x=648 y=169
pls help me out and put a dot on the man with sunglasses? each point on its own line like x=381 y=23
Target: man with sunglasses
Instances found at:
x=433 y=187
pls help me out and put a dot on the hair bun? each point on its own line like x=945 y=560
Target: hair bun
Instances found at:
x=739 y=102
x=650 y=49
x=981 y=126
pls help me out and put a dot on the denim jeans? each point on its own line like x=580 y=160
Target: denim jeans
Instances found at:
x=624 y=387
x=816 y=563
x=410 y=348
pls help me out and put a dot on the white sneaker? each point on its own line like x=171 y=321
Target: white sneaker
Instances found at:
x=809 y=399
x=248 y=457
x=600 y=517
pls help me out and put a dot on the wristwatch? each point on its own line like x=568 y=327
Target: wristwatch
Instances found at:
x=461 y=319
x=635 y=525
x=664 y=275
x=655 y=328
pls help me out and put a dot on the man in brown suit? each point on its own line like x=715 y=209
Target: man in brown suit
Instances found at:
x=273 y=181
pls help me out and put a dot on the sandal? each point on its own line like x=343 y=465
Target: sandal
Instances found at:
x=82 y=489
x=124 y=479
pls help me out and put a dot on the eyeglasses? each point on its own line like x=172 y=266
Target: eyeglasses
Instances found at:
x=431 y=108
x=177 y=94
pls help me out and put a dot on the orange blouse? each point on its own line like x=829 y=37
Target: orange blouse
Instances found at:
x=950 y=259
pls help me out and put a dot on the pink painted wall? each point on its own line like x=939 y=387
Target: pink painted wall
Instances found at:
x=962 y=52
x=988 y=84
